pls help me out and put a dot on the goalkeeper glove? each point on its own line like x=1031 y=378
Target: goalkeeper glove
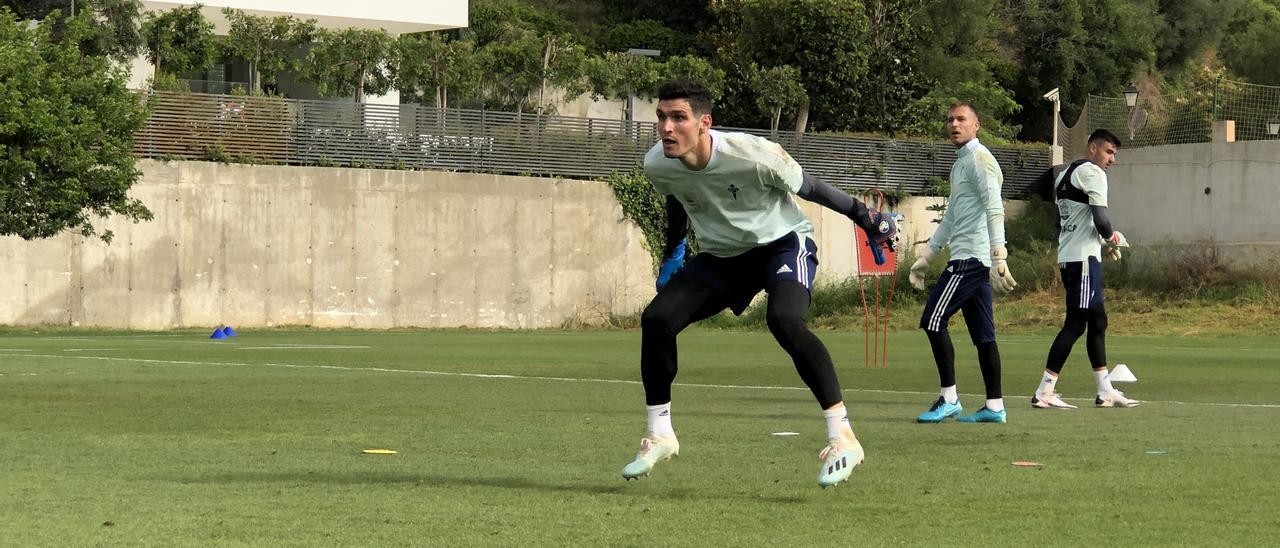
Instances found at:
x=672 y=264
x=882 y=232
x=1001 y=279
x=1112 y=245
x=920 y=267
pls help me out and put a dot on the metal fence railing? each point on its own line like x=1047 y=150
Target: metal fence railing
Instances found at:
x=328 y=133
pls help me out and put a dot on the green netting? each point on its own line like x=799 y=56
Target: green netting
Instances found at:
x=1185 y=117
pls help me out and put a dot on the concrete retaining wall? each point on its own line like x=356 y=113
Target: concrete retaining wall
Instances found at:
x=253 y=246
x=1189 y=194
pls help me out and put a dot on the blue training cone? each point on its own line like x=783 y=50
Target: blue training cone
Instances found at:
x=228 y=331
x=219 y=333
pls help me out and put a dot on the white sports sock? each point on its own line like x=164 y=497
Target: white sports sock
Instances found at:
x=837 y=422
x=660 y=420
x=1104 y=381
x=949 y=394
x=1047 y=383
x=996 y=404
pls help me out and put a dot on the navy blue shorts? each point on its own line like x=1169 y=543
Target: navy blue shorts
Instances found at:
x=964 y=285
x=1083 y=285
x=792 y=257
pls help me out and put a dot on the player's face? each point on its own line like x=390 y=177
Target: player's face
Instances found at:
x=679 y=128
x=1102 y=153
x=962 y=125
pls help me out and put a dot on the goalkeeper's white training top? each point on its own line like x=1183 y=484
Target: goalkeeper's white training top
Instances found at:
x=974 y=220
x=1078 y=236
x=741 y=199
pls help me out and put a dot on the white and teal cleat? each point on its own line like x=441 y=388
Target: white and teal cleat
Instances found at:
x=653 y=448
x=838 y=460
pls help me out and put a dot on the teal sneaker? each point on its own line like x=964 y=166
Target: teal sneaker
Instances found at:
x=984 y=415
x=940 y=411
x=838 y=461
x=653 y=448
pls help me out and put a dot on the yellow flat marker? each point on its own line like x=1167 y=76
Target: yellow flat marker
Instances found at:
x=379 y=451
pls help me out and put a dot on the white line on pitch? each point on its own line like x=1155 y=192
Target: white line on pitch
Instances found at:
x=568 y=379
x=304 y=347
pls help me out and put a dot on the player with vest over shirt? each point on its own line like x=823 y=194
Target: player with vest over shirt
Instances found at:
x=1085 y=236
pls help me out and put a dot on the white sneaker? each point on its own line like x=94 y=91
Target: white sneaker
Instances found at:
x=1052 y=400
x=1115 y=398
x=653 y=448
x=838 y=460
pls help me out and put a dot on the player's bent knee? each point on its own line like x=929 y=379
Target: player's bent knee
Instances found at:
x=659 y=318
x=789 y=325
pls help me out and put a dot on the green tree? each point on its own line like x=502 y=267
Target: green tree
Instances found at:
x=644 y=33
x=350 y=62
x=179 y=39
x=777 y=89
x=1189 y=28
x=967 y=59
x=697 y=69
x=619 y=76
x=894 y=83
x=491 y=20
x=1251 y=45
x=525 y=51
x=824 y=39
x=429 y=61
x=66 y=132
x=1080 y=47
x=267 y=43
x=113 y=24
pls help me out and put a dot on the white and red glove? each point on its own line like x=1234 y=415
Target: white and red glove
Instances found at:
x=1113 y=244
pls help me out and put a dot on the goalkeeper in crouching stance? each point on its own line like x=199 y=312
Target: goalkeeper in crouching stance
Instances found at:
x=1083 y=229
x=735 y=189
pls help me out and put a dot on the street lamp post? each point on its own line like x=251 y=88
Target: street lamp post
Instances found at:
x=1131 y=99
x=645 y=53
x=1131 y=95
x=1055 y=150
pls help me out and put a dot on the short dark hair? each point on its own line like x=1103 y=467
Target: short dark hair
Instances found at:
x=968 y=105
x=1104 y=135
x=697 y=95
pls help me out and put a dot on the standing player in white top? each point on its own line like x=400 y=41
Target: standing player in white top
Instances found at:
x=973 y=227
x=1083 y=228
x=735 y=189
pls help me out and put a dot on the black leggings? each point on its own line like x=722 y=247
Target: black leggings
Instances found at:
x=944 y=356
x=687 y=300
x=1080 y=320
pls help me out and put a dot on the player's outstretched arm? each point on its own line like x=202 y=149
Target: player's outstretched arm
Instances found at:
x=881 y=229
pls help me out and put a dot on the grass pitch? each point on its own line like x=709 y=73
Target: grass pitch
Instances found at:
x=516 y=438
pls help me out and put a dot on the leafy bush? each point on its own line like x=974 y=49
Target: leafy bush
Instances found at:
x=642 y=204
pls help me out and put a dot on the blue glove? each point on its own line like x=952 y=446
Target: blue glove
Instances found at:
x=884 y=233
x=672 y=265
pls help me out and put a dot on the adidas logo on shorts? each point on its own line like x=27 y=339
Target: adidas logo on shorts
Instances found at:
x=784 y=270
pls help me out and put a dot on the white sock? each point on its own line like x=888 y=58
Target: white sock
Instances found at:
x=996 y=404
x=949 y=394
x=660 y=420
x=1047 y=383
x=837 y=422
x=1104 y=381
